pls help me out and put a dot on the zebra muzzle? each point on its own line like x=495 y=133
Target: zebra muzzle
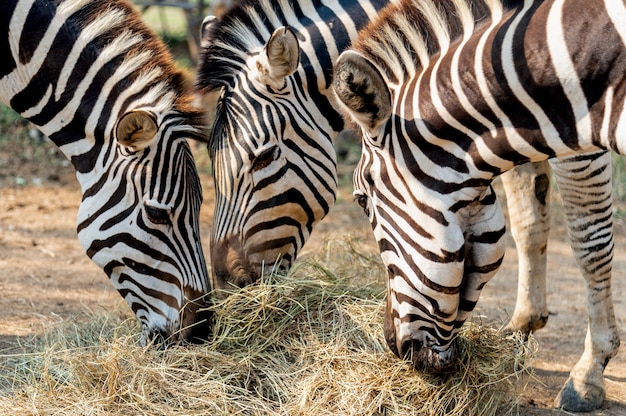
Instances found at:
x=427 y=359
x=230 y=267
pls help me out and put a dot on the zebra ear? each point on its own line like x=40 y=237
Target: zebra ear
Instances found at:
x=205 y=29
x=136 y=129
x=281 y=56
x=362 y=90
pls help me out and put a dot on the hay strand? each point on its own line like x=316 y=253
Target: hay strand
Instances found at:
x=306 y=344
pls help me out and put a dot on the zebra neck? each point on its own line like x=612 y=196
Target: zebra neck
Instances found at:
x=73 y=67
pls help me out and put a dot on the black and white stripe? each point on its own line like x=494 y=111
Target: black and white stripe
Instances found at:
x=271 y=144
x=453 y=93
x=103 y=88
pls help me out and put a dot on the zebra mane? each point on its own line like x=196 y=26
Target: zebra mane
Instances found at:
x=241 y=33
x=118 y=21
x=406 y=35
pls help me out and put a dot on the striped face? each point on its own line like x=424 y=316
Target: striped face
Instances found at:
x=438 y=253
x=274 y=164
x=436 y=219
x=273 y=161
x=104 y=89
x=139 y=221
x=273 y=179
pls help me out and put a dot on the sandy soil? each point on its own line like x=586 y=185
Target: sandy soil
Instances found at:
x=45 y=277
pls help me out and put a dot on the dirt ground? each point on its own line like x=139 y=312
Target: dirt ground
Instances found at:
x=45 y=277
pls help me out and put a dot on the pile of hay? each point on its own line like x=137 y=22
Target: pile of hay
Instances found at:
x=306 y=344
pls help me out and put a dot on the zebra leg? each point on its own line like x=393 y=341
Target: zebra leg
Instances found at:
x=528 y=195
x=585 y=185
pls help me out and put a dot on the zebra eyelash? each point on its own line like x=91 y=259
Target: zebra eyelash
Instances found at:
x=158 y=215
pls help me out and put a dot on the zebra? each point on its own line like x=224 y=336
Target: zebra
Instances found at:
x=449 y=95
x=274 y=165
x=104 y=89
x=275 y=172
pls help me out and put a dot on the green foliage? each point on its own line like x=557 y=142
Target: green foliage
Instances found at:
x=619 y=178
x=170 y=24
x=8 y=115
x=26 y=156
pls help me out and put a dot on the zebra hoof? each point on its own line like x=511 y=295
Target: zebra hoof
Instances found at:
x=526 y=325
x=574 y=401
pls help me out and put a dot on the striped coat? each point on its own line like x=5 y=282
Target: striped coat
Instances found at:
x=448 y=96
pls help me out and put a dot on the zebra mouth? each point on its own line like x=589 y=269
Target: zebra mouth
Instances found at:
x=197 y=325
x=428 y=360
x=157 y=338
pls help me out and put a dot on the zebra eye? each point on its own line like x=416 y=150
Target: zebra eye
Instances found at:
x=158 y=215
x=265 y=158
x=362 y=201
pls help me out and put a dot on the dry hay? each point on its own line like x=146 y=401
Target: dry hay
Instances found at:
x=306 y=344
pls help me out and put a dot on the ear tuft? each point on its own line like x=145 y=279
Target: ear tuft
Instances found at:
x=136 y=129
x=205 y=27
x=362 y=89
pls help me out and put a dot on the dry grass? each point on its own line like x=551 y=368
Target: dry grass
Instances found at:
x=307 y=344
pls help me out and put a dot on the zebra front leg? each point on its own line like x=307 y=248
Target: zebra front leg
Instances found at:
x=585 y=185
x=527 y=189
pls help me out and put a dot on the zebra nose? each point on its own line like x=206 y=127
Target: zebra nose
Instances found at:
x=199 y=333
x=197 y=325
x=427 y=359
x=230 y=269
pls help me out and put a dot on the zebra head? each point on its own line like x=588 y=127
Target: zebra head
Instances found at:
x=105 y=90
x=440 y=240
x=274 y=177
x=139 y=221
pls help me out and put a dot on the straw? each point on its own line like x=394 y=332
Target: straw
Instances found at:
x=309 y=343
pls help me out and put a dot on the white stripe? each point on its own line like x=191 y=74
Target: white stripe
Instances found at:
x=16 y=25
x=508 y=63
x=606 y=119
x=19 y=79
x=509 y=131
x=616 y=10
x=467 y=106
x=115 y=48
x=566 y=72
x=90 y=32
